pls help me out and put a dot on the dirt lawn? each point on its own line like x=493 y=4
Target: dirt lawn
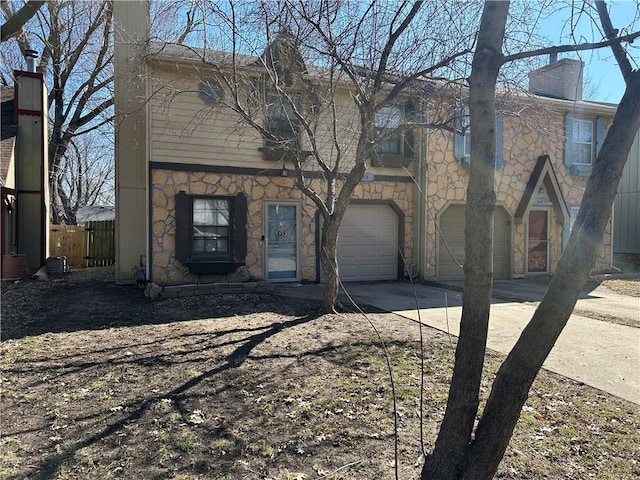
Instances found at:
x=100 y=383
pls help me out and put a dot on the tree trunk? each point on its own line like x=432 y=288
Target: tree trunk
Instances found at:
x=450 y=450
x=329 y=263
x=514 y=379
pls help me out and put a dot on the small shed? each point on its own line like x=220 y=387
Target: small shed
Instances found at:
x=95 y=213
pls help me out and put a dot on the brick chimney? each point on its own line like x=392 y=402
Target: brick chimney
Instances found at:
x=558 y=79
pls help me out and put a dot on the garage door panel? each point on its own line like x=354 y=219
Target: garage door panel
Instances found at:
x=368 y=243
x=452 y=223
x=386 y=251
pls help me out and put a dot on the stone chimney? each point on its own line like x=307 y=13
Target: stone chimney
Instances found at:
x=559 y=79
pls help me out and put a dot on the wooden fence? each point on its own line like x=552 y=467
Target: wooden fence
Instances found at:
x=88 y=245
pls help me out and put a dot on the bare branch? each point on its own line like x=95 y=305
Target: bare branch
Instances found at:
x=612 y=36
x=571 y=48
x=15 y=22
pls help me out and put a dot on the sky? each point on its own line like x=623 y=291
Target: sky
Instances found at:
x=601 y=68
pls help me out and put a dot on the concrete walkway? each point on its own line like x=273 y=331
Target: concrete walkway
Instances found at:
x=600 y=354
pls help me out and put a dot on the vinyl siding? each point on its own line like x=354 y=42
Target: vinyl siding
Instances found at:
x=185 y=130
x=626 y=238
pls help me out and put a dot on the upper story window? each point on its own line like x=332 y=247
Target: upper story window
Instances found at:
x=462 y=138
x=282 y=121
x=395 y=145
x=583 y=138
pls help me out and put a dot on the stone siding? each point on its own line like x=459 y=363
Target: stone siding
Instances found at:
x=524 y=141
x=166 y=270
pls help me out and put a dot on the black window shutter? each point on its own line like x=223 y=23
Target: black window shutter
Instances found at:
x=183 y=227
x=240 y=227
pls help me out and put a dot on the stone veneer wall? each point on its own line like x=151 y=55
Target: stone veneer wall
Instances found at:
x=524 y=142
x=165 y=269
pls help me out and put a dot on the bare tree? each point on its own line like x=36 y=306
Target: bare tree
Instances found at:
x=460 y=452
x=75 y=41
x=85 y=175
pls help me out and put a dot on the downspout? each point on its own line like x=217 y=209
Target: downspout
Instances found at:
x=421 y=201
x=613 y=267
x=147 y=155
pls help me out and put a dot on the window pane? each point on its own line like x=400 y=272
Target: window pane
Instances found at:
x=389 y=116
x=281 y=118
x=208 y=211
x=582 y=141
x=223 y=245
x=211 y=229
x=582 y=153
x=390 y=145
x=582 y=131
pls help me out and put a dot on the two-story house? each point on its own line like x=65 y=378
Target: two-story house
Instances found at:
x=202 y=197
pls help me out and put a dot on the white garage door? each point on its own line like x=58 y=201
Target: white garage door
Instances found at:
x=452 y=228
x=368 y=243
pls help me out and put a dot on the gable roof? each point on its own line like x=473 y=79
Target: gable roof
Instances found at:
x=543 y=175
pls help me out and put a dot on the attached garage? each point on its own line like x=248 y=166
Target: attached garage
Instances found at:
x=368 y=243
x=451 y=243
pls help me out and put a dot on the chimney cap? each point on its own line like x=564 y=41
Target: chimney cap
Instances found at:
x=30 y=57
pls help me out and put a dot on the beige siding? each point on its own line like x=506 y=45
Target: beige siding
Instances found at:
x=185 y=130
x=131 y=137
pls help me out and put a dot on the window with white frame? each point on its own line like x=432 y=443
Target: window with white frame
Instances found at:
x=582 y=139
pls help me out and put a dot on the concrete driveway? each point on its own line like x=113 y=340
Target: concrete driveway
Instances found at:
x=601 y=354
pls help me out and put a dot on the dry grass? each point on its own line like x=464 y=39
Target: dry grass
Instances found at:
x=100 y=384
x=623 y=286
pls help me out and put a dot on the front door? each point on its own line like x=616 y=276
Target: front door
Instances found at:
x=282 y=241
x=538 y=242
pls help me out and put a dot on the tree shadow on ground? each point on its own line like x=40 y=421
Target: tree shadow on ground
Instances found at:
x=240 y=343
x=34 y=307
